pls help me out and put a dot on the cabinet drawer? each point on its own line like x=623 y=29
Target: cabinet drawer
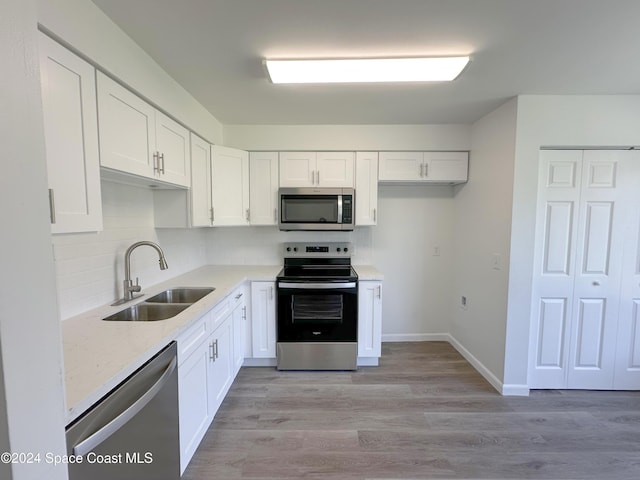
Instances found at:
x=219 y=313
x=190 y=340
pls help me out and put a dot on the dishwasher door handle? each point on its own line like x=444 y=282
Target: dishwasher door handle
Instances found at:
x=117 y=423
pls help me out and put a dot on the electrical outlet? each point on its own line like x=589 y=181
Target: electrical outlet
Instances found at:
x=436 y=251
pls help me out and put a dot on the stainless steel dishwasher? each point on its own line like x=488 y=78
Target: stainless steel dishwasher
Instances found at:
x=132 y=433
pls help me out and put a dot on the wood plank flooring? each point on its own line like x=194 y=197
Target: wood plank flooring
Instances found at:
x=424 y=413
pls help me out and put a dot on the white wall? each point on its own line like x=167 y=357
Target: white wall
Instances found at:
x=482 y=218
x=347 y=137
x=551 y=121
x=85 y=28
x=90 y=266
x=32 y=387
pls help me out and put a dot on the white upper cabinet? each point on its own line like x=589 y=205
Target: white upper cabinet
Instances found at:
x=317 y=169
x=201 y=214
x=172 y=145
x=71 y=139
x=424 y=167
x=137 y=139
x=230 y=186
x=366 y=188
x=263 y=188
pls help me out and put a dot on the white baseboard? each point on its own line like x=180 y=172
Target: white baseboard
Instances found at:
x=260 y=362
x=415 y=337
x=504 y=389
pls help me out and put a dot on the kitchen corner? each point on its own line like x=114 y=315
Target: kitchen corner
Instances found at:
x=98 y=355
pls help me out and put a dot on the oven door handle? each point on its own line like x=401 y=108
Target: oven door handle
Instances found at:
x=317 y=286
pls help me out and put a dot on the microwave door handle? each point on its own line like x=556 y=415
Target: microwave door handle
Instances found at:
x=339 y=208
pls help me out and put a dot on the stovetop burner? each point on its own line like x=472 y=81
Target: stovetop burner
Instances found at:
x=318 y=262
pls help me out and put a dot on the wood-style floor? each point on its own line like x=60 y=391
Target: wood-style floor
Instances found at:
x=424 y=413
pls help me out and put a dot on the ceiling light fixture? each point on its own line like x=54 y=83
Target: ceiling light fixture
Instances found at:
x=366 y=70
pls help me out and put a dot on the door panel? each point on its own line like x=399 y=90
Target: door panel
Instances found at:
x=627 y=375
x=551 y=338
x=557 y=245
x=590 y=333
x=598 y=235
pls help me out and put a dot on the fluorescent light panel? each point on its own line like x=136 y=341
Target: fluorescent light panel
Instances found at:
x=366 y=70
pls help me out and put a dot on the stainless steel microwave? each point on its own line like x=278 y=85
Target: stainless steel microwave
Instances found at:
x=317 y=208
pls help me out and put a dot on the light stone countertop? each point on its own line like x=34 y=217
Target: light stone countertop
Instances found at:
x=98 y=354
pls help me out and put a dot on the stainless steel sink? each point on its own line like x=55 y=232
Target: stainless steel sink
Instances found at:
x=148 y=312
x=180 y=295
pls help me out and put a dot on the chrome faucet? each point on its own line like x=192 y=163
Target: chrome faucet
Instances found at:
x=129 y=287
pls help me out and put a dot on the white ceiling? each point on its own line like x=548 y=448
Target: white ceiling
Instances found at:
x=214 y=48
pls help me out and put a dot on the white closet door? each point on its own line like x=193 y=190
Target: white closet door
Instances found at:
x=556 y=229
x=627 y=373
x=599 y=248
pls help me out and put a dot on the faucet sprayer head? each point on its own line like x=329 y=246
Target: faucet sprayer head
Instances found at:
x=163 y=263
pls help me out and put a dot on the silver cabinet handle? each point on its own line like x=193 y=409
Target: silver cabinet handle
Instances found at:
x=270 y=293
x=426 y=169
x=375 y=214
x=596 y=284
x=247 y=214
x=215 y=348
x=421 y=170
x=117 y=423
x=318 y=174
x=244 y=312
x=211 y=214
x=379 y=291
x=238 y=296
x=52 y=206
x=212 y=355
x=161 y=157
x=156 y=162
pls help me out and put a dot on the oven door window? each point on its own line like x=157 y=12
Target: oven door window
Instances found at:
x=310 y=209
x=317 y=309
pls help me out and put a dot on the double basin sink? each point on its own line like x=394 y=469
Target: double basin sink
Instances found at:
x=162 y=306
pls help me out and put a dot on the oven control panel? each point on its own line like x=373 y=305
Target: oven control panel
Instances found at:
x=314 y=250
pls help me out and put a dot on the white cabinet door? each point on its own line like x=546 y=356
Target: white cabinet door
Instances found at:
x=297 y=169
x=71 y=139
x=263 y=188
x=172 y=145
x=127 y=129
x=239 y=315
x=200 y=182
x=220 y=373
x=263 y=319
x=194 y=407
x=424 y=167
x=446 y=167
x=401 y=166
x=335 y=169
x=369 y=319
x=366 y=188
x=230 y=185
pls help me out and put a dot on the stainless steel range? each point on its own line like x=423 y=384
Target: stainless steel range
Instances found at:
x=317 y=308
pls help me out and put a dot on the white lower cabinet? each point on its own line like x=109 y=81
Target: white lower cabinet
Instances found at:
x=194 y=409
x=369 y=319
x=205 y=373
x=263 y=319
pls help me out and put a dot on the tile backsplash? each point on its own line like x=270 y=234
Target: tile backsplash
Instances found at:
x=90 y=266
